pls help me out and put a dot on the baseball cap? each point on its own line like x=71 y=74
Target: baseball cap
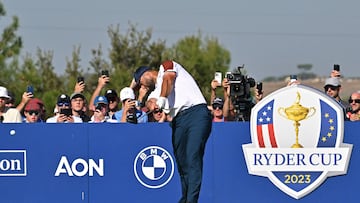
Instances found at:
x=139 y=72
x=34 y=104
x=63 y=99
x=109 y=94
x=127 y=93
x=77 y=95
x=100 y=99
x=332 y=82
x=218 y=100
x=4 y=92
x=12 y=97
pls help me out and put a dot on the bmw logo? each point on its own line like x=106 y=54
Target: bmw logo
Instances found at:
x=153 y=167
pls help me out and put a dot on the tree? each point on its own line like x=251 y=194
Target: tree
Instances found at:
x=304 y=67
x=201 y=57
x=10 y=46
x=130 y=51
x=73 y=70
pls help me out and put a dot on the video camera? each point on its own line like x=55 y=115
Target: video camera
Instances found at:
x=240 y=93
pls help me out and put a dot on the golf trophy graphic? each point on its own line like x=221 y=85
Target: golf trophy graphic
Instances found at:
x=296 y=113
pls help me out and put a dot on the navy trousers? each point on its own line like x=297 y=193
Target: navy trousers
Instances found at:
x=191 y=129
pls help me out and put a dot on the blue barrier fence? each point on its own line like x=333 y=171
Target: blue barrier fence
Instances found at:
x=115 y=163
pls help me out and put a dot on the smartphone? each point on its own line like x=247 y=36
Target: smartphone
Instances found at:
x=30 y=89
x=80 y=79
x=105 y=72
x=218 y=77
x=66 y=112
x=259 y=87
x=137 y=103
x=293 y=78
x=337 y=67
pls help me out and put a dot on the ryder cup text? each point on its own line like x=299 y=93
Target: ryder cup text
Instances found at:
x=297 y=159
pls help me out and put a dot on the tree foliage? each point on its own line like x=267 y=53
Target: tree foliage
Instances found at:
x=10 y=43
x=201 y=56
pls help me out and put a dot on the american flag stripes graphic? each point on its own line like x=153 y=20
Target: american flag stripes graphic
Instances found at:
x=265 y=127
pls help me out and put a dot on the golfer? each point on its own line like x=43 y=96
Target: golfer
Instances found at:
x=179 y=95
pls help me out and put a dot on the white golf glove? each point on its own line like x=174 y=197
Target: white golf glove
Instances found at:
x=161 y=102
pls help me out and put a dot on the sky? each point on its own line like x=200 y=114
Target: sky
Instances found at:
x=269 y=37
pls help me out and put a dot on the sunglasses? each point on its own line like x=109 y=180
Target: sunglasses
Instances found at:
x=101 y=106
x=31 y=112
x=111 y=99
x=215 y=106
x=63 y=104
x=333 y=88
x=157 y=111
x=354 y=100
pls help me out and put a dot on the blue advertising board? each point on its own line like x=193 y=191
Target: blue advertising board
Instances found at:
x=115 y=162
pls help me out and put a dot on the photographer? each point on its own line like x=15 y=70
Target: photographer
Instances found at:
x=221 y=110
x=129 y=111
x=101 y=111
x=63 y=106
x=241 y=98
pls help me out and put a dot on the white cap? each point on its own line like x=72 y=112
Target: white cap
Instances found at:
x=333 y=82
x=4 y=92
x=127 y=93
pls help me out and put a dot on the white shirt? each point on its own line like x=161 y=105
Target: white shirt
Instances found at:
x=11 y=115
x=54 y=119
x=185 y=92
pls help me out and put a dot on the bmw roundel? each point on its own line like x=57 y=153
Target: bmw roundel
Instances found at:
x=153 y=167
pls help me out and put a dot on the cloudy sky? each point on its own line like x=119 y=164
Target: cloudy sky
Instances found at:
x=270 y=37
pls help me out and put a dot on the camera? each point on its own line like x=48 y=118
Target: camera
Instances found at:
x=240 y=84
x=337 y=67
x=132 y=118
x=240 y=93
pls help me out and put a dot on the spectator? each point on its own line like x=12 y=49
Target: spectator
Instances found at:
x=113 y=100
x=353 y=113
x=227 y=108
x=78 y=104
x=64 y=115
x=217 y=110
x=155 y=114
x=33 y=111
x=7 y=115
x=11 y=102
x=129 y=112
x=332 y=88
x=102 y=81
x=101 y=111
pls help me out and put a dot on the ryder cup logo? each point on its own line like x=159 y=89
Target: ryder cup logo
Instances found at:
x=297 y=135
x=153 y=167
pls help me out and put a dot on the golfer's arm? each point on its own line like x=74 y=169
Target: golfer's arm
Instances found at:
x=167 y=83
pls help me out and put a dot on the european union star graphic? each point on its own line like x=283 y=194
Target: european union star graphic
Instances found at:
x=329 y=122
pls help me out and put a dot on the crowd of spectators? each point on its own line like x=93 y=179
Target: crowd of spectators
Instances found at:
x=141 y=108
